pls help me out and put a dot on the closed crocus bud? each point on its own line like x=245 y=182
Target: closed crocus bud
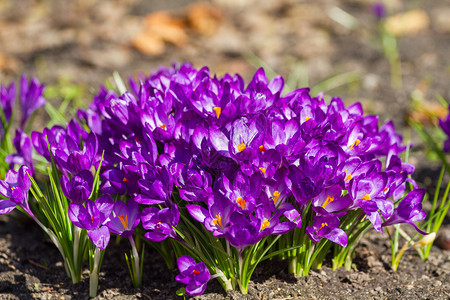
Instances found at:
x=30 y=98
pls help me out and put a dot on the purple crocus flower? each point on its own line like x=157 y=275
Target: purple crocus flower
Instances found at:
x=22 y=143
x=160 y=222
x=195 y=185
x=156 y=185
x=7 y=99
x=327 y=227
x=74 y=160
x=244 y=231
x=92 y=216
x=217 y=217
x=124 y=218
x=445 y=125
x=330 y=201
x=379 y=10
x=30 y=98
x=79 y=187
x=15 y=188
x=56 y=137
x=369 y=193
x=241 y=190
x=194 y=275
x=409 y=210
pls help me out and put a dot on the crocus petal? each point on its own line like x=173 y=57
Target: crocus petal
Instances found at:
x=338 y=236
x=194 y=290
x=6 y=206
x=197 y=212
x=184 y=262
x=99 y=237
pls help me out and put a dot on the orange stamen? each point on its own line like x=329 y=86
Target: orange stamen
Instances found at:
x=307 y=118
x=276 y=195
x=218 y=111
x=355 y=143
x=366 y=197
x=349 y=177
x=137 y=140
x=323 y=225
x=241 y=147
x=218 y=220
x=157 y=225
x=241 y=202
x=163 y=126
x=124 y=221
x=328 y=201
x=92 y=220
x=125 y=179
x=195 y=272
x=263 y=170
x=265 y=224
x=261 y=148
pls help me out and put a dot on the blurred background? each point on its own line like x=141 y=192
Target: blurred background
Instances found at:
x=393 y=56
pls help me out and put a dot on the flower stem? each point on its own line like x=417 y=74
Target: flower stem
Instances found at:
x=137 y=276
x=93 y=275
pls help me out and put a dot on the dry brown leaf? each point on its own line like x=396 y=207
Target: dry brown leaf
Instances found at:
x=149 y=44
x=167 y=27
x=204 y=17
x=9 y=63
x=428 y=113
x=408 y=23
x=2 y=61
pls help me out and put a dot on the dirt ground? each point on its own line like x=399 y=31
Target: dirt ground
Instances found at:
x=328 y=44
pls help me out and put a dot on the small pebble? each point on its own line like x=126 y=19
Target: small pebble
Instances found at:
x=443 y=238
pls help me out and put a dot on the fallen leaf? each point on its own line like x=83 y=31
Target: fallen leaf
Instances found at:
x=204 y=17
x=167 y=27
x=428 y=113
x=149 y=44
x=408 y=23
x=9 y=63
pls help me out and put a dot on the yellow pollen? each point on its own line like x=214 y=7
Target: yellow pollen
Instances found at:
x=124 y=221
x=195 y=272
x=366 y=197
x=323 y=225
x=241 y=147
x=265 y=224
x=349 y=177
x=13 y=188
x=241 y=202
x=163 y=126
x=218 y=110
x=218 y=220
x=157 y=225
x=125 y=179
x=263 y=170
x=307 y=118
x=328 y=201
x=276 y=195
x=261 y=148
x=355 y=143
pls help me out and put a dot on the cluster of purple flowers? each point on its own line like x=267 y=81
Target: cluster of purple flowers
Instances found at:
x=245 y=161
